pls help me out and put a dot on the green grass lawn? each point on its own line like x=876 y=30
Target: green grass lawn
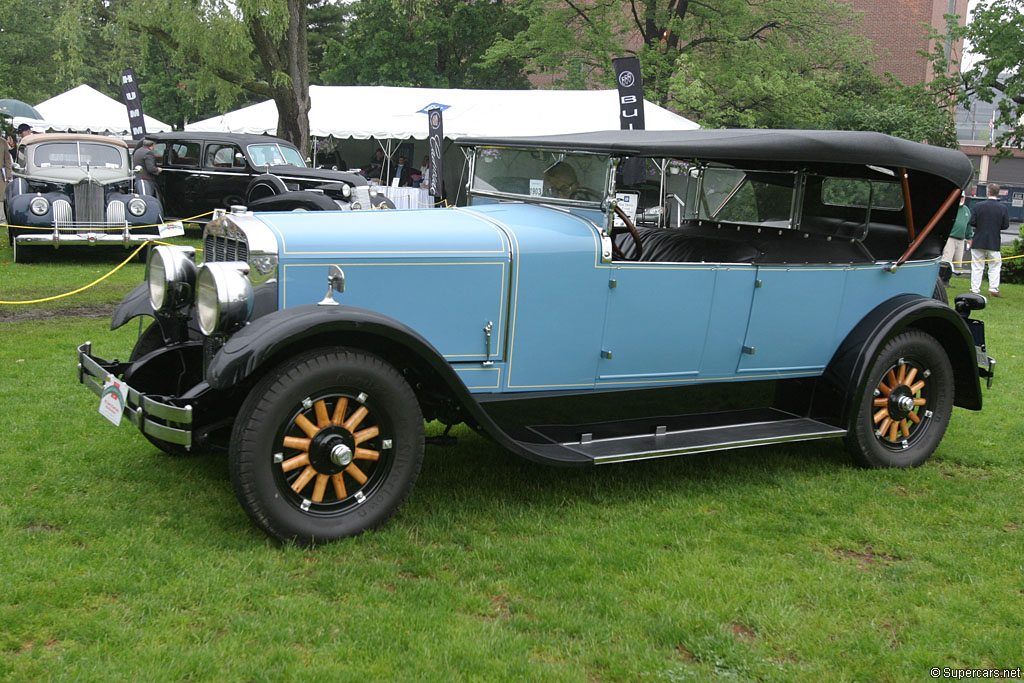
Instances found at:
x=784 y=563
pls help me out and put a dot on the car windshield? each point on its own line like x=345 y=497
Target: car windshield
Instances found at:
x=274 y=154
x=541 y=173
x=77 y=153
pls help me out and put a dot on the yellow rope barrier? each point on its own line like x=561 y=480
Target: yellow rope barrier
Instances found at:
x=1004 y=259
x=80 y=289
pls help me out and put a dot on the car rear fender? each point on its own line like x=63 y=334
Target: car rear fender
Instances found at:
x=847 y=373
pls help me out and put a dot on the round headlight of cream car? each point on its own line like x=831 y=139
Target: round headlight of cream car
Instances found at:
x=137 y=206
x=170 y=277
x=39 y=205
x=224 y=297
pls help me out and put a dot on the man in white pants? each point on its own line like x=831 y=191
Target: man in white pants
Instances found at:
x=989 y=218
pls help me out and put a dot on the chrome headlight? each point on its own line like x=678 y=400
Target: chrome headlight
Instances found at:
x=346 y=191
x=171 y=277
x=39 y=205
x=224 y=297
x=356 y=206
x=137 y=206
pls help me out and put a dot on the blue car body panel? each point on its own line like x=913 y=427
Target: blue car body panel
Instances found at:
x=451 y=274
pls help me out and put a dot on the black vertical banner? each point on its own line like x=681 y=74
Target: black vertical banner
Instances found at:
x=133 y=100
x=435 y=139
x=631 y=93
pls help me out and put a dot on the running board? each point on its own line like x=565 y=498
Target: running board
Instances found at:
x=605 y=442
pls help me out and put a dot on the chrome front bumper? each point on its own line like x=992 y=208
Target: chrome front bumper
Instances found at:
x=163 y=421
x=90 y=234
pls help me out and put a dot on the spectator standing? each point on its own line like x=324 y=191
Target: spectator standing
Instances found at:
x=375 y=167
x=6 y=176
x=962 y=232
x=143 y=156
x=989 y=218
x=24 y=130
x=402 y=172
x=425 y=172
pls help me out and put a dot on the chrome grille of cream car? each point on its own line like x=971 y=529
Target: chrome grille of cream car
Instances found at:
x=89 y=202
x=115 y=213
x=62 y=216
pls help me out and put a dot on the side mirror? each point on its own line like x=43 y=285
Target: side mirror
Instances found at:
x=967 y=302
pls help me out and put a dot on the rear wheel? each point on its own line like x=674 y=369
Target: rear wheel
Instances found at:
x=326 y=446
x=906 y=405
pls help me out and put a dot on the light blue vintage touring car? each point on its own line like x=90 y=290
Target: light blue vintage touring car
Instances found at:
x=605 y=297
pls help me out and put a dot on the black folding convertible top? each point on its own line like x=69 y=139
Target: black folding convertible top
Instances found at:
x=789 y=146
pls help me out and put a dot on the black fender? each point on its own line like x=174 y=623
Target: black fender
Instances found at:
x=267 y=183
x=145 y=187
x=294 y=201
x=16 y=187
x=134 y=304
x=846 y=376
x=273 y=338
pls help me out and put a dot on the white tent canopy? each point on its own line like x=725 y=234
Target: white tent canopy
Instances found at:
x=85 y=109
x=385 y=112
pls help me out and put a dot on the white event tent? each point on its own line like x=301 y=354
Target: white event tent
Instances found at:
x=83 y=109
x=393 y=113
x=390 y=116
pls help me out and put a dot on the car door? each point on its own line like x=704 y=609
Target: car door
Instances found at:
x=669 y=323
x=181 y=183
x=225 y=176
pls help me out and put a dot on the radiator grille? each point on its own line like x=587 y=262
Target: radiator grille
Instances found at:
x=217 y=248
x=89 y=203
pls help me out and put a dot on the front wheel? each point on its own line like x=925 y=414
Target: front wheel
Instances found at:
x=326 y=446
x=906 y=405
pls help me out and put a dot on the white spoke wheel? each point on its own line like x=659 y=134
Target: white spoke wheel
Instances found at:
x=906 y=404
x=326 y=446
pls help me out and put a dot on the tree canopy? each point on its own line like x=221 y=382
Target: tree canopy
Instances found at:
x=741 y=63
x=996 y=33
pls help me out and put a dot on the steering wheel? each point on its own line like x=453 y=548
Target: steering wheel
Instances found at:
x=632 y=232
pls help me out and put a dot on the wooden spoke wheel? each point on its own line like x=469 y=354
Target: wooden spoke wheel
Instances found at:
x=902 y=404
x=334 y=453
x=906 y=406
x=326 y=446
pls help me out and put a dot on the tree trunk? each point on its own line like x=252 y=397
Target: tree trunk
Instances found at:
x=285 y=62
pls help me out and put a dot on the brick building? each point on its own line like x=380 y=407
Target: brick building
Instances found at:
x=898 y=29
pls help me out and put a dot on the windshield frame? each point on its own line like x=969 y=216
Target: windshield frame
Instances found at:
x=41 y=146
x=605 y=192
x=284 y=150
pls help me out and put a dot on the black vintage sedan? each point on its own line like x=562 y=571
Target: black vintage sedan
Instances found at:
x=206 y=171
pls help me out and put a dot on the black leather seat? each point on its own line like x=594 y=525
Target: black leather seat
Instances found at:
x=675 y=245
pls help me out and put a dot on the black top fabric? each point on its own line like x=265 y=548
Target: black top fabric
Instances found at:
x=791 y=146
x=988 y=218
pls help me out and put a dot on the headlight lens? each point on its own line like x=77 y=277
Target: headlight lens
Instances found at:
x=171 y=277
x=39 y=205
x=224 y=297
x=346 y=191
x=137 y=206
